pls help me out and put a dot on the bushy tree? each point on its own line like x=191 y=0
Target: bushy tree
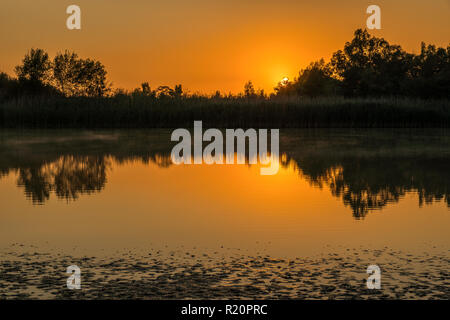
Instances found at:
x=74 y=76
x=430 y=73
x=316 y=80
x=90 y=78
x=35 y=67
x=65 y=72
x=164 y=92
x=370 y=66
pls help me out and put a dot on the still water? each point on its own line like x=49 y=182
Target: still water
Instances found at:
x=104 y=190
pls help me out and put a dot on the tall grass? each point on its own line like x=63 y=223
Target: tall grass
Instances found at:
x=128 y=111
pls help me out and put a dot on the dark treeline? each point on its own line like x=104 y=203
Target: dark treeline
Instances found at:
x=370 y=66
x=370 y=83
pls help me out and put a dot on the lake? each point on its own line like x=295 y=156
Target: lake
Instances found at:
x=342 y=199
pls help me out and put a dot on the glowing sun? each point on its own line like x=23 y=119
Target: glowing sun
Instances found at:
x=285 y=81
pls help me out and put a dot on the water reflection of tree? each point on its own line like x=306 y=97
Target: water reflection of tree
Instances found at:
x=360 y=196
x=365 y=174
x=370 y=180
x=68 y=176
x=363 y=184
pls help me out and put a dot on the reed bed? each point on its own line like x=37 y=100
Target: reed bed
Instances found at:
x=230 y=112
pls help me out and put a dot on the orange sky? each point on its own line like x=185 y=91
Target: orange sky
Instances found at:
x=210 y=44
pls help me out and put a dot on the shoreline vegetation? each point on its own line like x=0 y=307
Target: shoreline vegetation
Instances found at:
x=368 y=84
x=289 y=112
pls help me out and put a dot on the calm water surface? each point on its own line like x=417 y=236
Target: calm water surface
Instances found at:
x=103 y=190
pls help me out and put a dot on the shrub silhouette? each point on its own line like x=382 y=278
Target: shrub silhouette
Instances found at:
x=74 y=76
x=313 y=81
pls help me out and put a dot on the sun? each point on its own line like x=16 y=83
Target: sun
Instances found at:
x=285 y=81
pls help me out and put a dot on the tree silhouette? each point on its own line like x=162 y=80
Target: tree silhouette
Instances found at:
x=430 y=72
x=35 y=67
x=178 y=91
x=371 y=66
x=146 y=90
x=164 y=92
x=67 y=74
x=90 y=78
x=249 y=90
x=64 y=72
